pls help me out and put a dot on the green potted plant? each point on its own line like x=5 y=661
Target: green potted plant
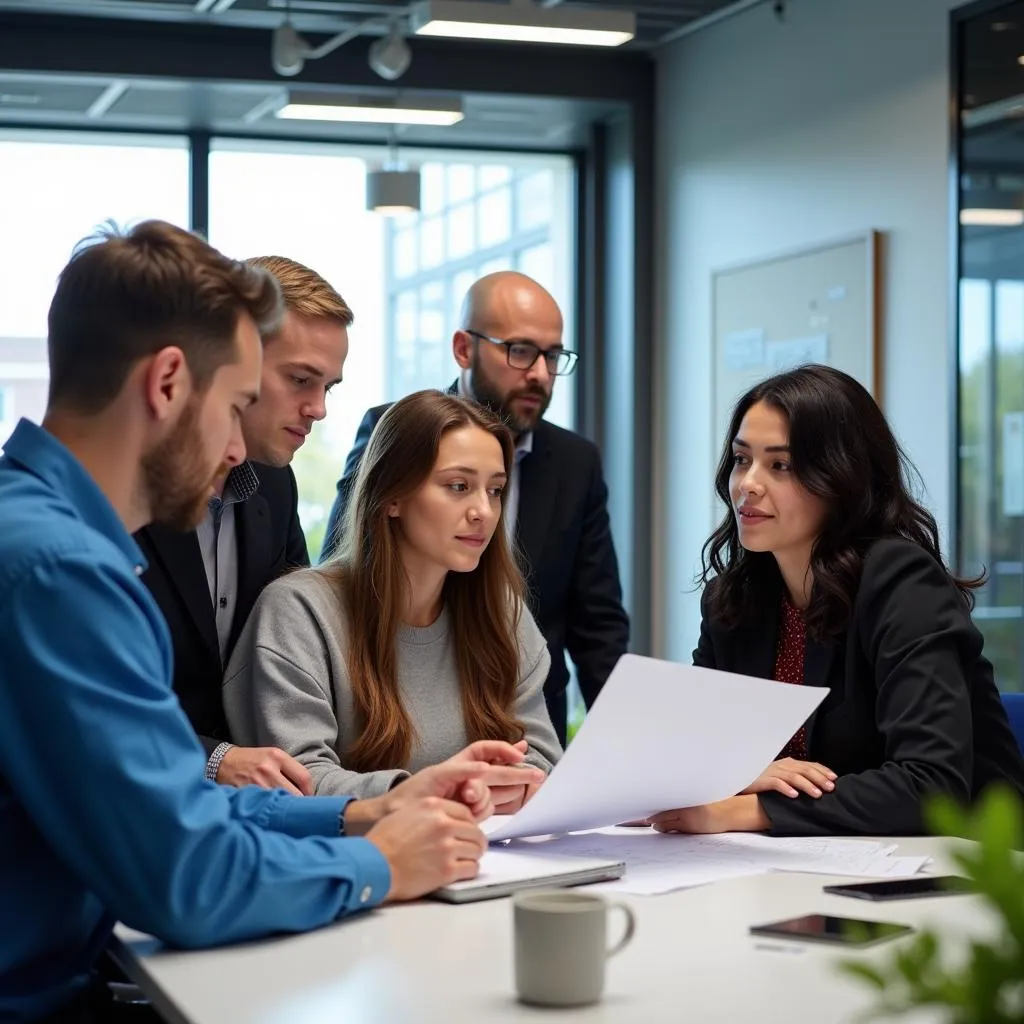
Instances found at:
x=987 y=985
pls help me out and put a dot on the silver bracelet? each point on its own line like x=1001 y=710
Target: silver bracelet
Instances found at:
x=213 y=765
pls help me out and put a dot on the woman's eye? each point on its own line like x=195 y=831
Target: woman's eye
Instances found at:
x=737 y=459
x=301 y=381
x=782 y=467
x=458 y=487
x=496 y=492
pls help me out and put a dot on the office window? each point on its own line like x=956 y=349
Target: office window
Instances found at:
x=6 y=412
x=475 y=222
x=989 y=524
x=403 y=277
x=56 y=189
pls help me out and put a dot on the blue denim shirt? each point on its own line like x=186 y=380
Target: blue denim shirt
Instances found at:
x=104 y=810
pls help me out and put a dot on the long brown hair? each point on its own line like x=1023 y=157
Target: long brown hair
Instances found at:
x=485 y=605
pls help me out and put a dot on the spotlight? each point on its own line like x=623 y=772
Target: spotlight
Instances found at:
x=288 y=50
x=390 y=55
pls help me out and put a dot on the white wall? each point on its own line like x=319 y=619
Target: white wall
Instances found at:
x=774 y=136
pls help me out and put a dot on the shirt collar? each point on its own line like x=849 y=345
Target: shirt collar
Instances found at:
x=39 y=452
x=240 y=484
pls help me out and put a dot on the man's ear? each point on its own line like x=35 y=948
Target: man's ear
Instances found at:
x=462 y=349
x=167 y=382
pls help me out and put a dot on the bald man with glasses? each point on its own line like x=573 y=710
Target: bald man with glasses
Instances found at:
x=509 y=351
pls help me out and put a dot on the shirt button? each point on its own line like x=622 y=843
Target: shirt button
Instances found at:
x=138 y=570
x=364 y=896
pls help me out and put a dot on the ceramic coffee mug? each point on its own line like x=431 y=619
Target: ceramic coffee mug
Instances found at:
x=561 y=944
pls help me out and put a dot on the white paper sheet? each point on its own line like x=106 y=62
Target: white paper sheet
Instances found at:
x=657 y=863
x=660 y=736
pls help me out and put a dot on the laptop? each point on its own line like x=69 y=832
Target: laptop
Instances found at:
x=504 y=872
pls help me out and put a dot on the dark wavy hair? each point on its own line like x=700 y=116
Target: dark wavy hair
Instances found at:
x=843 y=452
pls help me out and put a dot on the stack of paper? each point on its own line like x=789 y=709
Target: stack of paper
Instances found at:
x=657 y=863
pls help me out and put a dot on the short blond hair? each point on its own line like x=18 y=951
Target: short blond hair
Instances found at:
x=305 y=292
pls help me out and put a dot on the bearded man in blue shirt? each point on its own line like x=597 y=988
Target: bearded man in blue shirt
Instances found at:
x=105 y=813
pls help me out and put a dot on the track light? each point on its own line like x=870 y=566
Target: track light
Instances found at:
x=390 y=55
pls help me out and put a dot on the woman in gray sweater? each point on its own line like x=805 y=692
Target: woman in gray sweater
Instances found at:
x=415 y=639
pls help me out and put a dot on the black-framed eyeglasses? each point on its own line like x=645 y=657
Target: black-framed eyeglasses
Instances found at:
x=521 y=355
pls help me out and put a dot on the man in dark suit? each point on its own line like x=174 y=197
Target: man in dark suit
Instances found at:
x=207 y=581
x=509 y=350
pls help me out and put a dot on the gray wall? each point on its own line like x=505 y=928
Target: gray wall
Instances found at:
x=773 y=136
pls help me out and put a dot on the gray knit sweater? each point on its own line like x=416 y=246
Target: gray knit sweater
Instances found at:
x=287 y=685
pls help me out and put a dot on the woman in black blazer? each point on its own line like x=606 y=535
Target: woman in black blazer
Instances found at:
x=826 y=572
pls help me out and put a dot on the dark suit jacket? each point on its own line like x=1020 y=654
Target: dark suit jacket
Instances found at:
x=270 y=540
x=566 y=550
x=913 y=708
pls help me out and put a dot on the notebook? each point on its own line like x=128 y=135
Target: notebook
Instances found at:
x=503 y=872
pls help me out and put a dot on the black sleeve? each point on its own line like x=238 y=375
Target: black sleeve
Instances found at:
x=704 y=653
x=913 y=628
x=597 y=627
x=337 y=517
x=296 y=552
x=209 y=745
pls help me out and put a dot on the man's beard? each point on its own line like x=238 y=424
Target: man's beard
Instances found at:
x=178 y=484
x=486 y=392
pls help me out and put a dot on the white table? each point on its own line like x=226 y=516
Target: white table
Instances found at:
x=692 y=961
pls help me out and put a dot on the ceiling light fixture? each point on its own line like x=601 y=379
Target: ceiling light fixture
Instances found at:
x=991 y=217
x=391 y=192
x=389 y=56
x=521 y=21
x=289 y=50
x=370 y=110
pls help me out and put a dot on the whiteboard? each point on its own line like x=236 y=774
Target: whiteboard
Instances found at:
x=818 y=305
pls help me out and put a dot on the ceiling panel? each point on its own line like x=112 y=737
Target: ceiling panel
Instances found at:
x=656 y=19
x=234 y=108
x=32 y=95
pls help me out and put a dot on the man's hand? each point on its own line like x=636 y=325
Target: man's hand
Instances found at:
x=470 y=777
x=429 y=843
x=736 y=814
x=267 y=767
x=791 y=777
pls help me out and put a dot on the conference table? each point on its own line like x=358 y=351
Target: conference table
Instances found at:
x=692 y=960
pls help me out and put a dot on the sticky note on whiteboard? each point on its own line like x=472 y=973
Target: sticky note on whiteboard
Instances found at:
x=788 y=355
x=744 y=350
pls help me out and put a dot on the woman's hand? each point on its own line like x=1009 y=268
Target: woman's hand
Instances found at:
x=509 y=799
x=507 y=793
x=791 y=777
x=734 y=814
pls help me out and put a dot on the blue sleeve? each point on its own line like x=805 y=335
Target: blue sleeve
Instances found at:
x=101 y=757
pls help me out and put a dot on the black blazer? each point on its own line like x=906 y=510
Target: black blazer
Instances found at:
x=565 y=546
x=270 y=540
x=913 y=708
